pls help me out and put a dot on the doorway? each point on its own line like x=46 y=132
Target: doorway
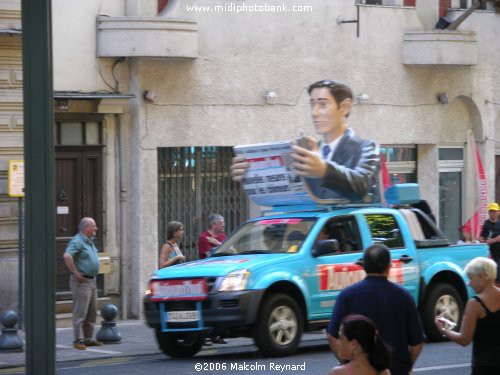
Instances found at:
x=78 y=189
x=451 y=190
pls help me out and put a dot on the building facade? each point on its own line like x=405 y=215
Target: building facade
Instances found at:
x=150 y=96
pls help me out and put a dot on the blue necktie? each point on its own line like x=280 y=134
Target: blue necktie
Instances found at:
x=325 y=151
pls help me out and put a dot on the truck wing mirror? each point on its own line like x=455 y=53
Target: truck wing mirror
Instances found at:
x=325 y=247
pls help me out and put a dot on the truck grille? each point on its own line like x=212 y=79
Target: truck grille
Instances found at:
x=180 y=306
x=184 y=305
x=211 y=281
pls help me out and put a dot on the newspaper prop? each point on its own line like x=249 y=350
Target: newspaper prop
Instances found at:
x=270 y=179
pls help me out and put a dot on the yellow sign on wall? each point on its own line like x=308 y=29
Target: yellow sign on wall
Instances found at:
x=16 y=178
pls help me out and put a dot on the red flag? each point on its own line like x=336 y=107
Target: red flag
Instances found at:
x=477 y=197
x=386 y=180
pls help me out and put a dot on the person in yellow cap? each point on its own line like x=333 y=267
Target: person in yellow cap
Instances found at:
x=491 y=235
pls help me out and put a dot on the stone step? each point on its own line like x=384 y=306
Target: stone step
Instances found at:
x=67 y=305
x=64 y=320
x=64 y=308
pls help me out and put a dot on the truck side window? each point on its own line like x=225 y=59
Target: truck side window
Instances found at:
x=345 y=231
x=385 y=229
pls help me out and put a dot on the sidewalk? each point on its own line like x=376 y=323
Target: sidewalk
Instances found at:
x=137 y=339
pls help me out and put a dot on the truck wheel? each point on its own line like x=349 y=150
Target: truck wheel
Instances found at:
x=442 y=299
x=179 y=345
x=279 y=327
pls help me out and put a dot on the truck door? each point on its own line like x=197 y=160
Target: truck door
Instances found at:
x=330 y=274
x=392 y=231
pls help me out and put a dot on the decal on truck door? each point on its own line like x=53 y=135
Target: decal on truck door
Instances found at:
x=340 y=276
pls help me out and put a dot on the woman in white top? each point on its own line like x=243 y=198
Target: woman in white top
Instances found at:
x=466 y=238
x=170 y=253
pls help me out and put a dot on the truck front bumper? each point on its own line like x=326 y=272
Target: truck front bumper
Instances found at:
x=220 y=309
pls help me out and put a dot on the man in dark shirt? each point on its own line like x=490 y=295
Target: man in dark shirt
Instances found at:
x=491 y=235
x=389 y=305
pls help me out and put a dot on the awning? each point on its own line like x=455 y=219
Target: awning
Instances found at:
x=90 y=95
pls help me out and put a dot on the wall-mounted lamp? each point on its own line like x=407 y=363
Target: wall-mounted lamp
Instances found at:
x=443 y=98
x=269 y=96
x=62 y=105
x=150 y=96
x=362 y=98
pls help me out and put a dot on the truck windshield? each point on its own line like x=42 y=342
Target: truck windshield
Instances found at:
x=268 y=236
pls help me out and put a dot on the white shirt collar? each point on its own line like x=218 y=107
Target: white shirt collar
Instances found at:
x=333 y=145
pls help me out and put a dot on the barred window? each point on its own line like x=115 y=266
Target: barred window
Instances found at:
x=194 y=182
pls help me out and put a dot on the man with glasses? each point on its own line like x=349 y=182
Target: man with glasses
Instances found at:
x=341 y=165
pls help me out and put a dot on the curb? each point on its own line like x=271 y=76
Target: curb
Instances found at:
x=20 y=364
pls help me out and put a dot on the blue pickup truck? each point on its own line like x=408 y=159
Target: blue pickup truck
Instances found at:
x=279 y=275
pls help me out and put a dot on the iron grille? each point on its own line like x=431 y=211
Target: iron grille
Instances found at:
x=193 y=183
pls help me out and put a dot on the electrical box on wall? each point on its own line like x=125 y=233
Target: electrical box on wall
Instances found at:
x=104 y=263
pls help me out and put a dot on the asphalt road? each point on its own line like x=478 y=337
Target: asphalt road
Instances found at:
x=312 y=358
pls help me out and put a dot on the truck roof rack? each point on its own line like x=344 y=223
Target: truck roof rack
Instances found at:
x=315 y=207
x=296 y=208
x=395 y=195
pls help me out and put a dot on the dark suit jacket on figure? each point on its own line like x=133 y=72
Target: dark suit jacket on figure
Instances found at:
x=352 y=170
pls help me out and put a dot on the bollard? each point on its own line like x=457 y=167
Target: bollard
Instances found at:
x=108 y=333
x=9 y=339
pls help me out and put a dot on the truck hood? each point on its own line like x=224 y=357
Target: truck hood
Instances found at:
x=220 y=266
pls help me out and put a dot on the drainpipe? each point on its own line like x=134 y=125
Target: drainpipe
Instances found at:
x=123 y=240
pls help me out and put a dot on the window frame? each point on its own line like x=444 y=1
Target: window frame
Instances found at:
x=403 y=167
x=83 y=119
x=354 y=229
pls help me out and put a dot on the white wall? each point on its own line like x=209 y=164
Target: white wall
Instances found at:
x=74 y=44
x=244 y=55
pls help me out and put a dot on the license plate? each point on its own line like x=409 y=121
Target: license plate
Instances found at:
x=179 y=290
x=182 y=316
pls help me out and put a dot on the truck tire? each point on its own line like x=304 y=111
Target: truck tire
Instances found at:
x=179 y=345
x=279 y=326
x=442 y=299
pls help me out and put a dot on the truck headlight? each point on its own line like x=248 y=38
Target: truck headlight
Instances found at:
x=235 y=281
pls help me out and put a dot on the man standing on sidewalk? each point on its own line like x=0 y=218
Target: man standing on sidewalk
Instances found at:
x=82 y=260
x=491 y=235
x=212 y=237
